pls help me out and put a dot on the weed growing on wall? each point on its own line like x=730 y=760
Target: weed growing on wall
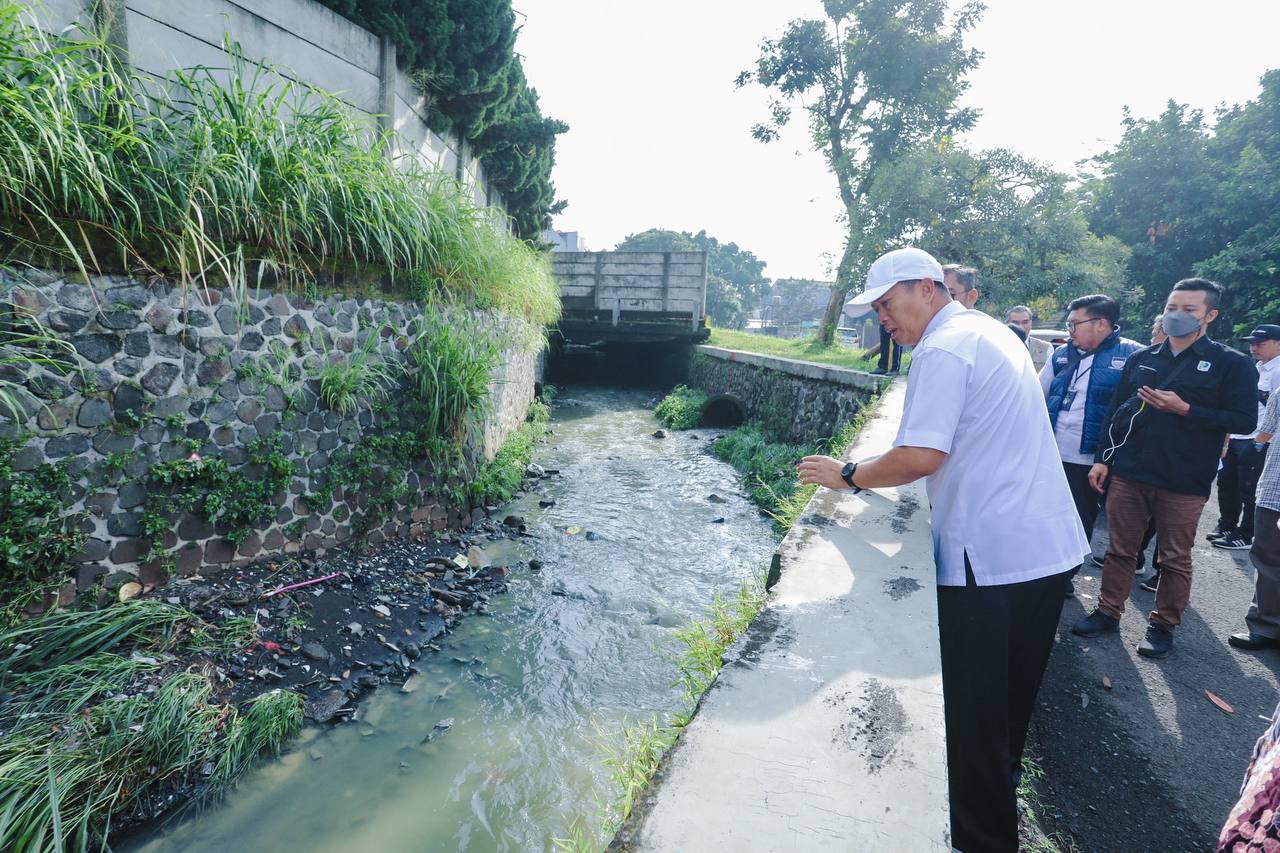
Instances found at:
x=682 y=408
x=230 y=178
x=497 y=481
x=244 y=499
x=363 y=377
x=37 y=535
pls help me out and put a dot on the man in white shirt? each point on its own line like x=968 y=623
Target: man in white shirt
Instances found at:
x=1005 y=531
x=1238 y=479
x=1021 y=316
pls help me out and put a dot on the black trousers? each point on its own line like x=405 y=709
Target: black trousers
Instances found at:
x=995 y=643
x=1237 y=483
x=889 y=352
x=1088 y=502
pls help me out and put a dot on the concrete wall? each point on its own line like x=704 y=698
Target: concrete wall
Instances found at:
x=643 y=282
x=162 y=371
x=302 y=41
x=802 y=401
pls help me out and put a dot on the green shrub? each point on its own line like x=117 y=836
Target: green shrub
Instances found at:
x=768 y=466
x=682 y=408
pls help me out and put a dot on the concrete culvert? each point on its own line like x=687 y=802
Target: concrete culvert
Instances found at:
x=724 y=410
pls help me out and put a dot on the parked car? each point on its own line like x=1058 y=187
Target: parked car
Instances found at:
x=1057 y=337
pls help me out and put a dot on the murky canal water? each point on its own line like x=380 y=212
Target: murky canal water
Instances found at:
x=577 y=647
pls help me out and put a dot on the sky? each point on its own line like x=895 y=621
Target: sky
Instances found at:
x=660 y=138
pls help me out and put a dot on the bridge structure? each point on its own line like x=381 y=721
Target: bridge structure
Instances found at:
x=632 y=297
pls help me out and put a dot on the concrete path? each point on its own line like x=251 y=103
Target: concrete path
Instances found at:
x=1152 y=764
x=825 y=731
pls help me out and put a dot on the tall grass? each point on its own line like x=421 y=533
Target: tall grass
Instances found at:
x=25 y=343
x=451 y=365
x=364 y=376
x=89 y=731
x=229 y=177
x=66 y=775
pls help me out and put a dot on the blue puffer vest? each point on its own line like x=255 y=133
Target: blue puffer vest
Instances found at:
x=1104 y=376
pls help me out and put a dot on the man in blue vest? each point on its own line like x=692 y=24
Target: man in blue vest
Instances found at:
x=1079 y=380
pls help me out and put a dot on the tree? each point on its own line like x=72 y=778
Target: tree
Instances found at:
x=1012 y=218
x=876 y=78
x=1152 y=195
x=1191 y=197
x=735 y=277
x=462 y=52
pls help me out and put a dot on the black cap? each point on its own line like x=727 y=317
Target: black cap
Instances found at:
x=1265 y=332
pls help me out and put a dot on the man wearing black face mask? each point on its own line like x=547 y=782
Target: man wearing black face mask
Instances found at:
x=1175 y=403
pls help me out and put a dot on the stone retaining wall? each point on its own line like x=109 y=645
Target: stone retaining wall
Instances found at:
x=166 y=371
x=801 y=401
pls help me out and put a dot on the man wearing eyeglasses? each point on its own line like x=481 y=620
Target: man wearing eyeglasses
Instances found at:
x=962 y=284
x=1079 y=381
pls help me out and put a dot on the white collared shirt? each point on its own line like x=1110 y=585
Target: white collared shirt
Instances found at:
x=1000 y=496
x=1268 y=374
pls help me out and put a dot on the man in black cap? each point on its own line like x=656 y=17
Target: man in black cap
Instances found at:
x=1238 y=479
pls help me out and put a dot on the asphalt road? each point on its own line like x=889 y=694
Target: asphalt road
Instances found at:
x=1152 y=763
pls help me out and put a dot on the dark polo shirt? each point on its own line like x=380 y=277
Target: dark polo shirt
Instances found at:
x=1176 y=452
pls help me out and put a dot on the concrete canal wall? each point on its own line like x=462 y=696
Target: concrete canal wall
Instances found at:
x=800 y=401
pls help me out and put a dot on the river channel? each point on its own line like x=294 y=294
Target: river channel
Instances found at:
x=560 y=660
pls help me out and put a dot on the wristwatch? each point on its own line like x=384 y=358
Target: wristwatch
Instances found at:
x=846 y=474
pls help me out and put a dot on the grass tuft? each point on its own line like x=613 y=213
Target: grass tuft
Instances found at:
x=362 y=377
x=497 y=481
x=87 y=735
x=682 y=408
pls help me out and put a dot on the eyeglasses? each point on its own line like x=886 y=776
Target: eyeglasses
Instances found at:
x=1071 y=325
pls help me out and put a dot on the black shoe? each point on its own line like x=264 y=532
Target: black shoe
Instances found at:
x=1234 y=542
x=879 y=371
x=1095 y=624
x=1217 y=534
x=1157 y=643
x=1100 y=561
x=1071 y=588
x=1150 y=583
x=1251 y=642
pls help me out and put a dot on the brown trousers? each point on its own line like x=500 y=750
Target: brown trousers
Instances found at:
x=1130 y=508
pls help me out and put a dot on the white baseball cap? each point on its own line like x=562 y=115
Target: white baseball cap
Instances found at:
x=890 y=268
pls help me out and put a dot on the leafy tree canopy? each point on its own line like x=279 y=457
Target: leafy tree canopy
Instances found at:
x=462 y=53
x=1191 y=197
x=1013 y=219
x=876 y=78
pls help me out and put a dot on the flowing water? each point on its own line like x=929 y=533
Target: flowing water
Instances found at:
x=566 y=654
